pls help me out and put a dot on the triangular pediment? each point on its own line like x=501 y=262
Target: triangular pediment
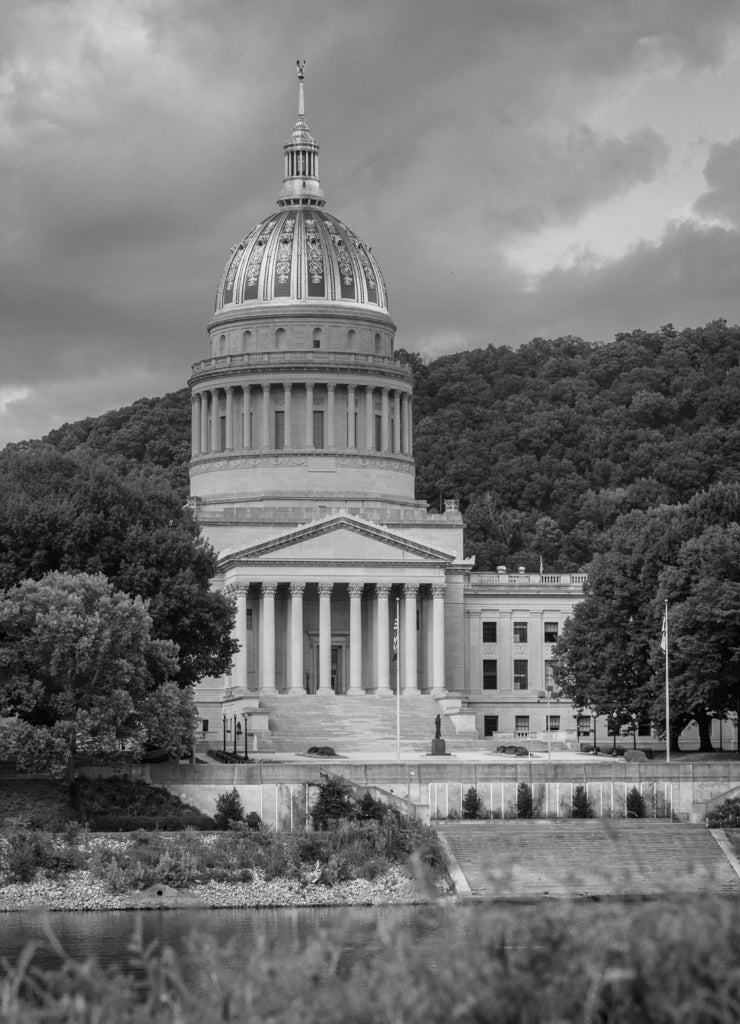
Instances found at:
x=339 y=540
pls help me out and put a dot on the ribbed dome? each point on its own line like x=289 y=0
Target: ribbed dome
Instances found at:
x=299 y=253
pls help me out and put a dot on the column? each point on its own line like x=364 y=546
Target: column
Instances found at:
x=405 y=432
x=355 y=637
x=385 y=442
x=382 y=590
x=203 y=422
x=411 y=685
x=288 y=396
x=295 y=675
x=351 y=438
x=239 y=671
x=246 y=416
x=195 y=424
x=330 y=441
x=396 y=421
x=438 y=638
x=265 y=439
x=309 y=415
x=267 y=682
x=369 y=419
x=229 y=419
x=411 y=425
x=325 y=637
x=215 y=446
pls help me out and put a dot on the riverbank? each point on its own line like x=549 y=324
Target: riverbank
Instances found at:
x=79 y=890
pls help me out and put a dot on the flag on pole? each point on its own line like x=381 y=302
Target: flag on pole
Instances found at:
x=395 y=634
x=664 y=632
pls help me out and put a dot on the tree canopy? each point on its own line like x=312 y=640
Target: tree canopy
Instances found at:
x=81 y=673
x=84 y=511
x=608 y=657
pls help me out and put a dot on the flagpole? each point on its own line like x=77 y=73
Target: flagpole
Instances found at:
x=398 y=683
x=667 y=692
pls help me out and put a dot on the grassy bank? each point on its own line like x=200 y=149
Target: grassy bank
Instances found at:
x=651 y=963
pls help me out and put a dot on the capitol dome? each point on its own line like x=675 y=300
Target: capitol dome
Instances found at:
x=301 y=252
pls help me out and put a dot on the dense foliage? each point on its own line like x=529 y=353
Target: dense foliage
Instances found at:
x=120 y=804
x=608 y=658
x=80 y=510
x=80 y=673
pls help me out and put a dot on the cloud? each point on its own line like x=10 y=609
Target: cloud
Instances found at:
x=722 y=172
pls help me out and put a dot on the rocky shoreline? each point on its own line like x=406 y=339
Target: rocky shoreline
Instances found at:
x=79 y=891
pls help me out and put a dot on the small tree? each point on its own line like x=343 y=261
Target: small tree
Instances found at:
x=635 y=804
x=228 y=808
x=472 y=805
x=581 y=804
x=524 y=801
x=335 y=801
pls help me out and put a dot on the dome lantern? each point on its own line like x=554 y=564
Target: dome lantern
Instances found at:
x=301 y=185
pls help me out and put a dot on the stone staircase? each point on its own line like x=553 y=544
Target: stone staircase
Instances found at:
x=600 y=857
x=349 y=723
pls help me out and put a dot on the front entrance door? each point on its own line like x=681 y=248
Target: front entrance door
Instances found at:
x=337 y=680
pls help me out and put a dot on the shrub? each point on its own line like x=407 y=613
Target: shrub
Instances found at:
x=102 y=802
x=165 y=823
x=253 y=821
x=335 y=801
x=228 y=808
x=472 y=805
x=725 y=815
x=370 y=809
x=635 y=804
x=581 y=804
x=524 y=801
x=26 y=853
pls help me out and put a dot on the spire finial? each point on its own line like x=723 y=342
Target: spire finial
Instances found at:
x=300 y=64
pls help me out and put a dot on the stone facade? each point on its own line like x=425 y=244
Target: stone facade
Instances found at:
x=302 y=478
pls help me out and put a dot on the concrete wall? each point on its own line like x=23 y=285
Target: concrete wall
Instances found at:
x=281 y=793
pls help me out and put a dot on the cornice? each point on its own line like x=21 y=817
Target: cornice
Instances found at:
x=218 y=461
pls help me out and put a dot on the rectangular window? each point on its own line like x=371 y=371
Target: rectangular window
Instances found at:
x=521 y=723
x=490 y=725
x=553 y=723
x=551 y=632
x=583 y=724
x=249 y=618
x=520 y=632
x=318 y=428
x=279 y=428
x=489 y=632
x=521 y=674
x=643 y=729
x=378 y=433
x=549 y=675
x=317 y=342
x=490 y=674
x=205 y=725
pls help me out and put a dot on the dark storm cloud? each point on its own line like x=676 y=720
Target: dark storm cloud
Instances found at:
x=139 y=141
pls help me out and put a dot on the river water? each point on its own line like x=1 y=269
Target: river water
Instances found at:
x=107 y=935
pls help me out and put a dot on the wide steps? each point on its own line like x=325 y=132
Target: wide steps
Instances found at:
x=600 y=857
x=347 y=722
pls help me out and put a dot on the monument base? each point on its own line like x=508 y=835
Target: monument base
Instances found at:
x=438 y=748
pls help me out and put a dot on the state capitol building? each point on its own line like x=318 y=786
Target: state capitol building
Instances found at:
x=302 y=478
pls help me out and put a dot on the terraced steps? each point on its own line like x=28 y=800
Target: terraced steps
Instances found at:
x=602 y=857
x=364 y=722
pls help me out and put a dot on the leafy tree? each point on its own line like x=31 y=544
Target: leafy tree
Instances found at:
x=81 y=674
x=229 y=808
x=608 y=659
x=635 y=804
x=335 y=801
x=78 y=512
x=524 y=801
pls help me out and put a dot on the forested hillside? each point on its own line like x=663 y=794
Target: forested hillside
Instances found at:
x=544 y=446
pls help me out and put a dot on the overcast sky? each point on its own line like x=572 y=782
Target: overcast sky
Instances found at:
x=521 y=168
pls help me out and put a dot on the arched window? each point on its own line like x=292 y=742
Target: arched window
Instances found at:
x=317 y=337
x=280 y=338
x=377 y=344
x=246 y=341
x=351 y=336
x=222 y=345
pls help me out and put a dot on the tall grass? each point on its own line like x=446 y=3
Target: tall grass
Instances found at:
x=644 y=963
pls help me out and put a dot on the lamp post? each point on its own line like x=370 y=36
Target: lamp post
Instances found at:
x=633 y=717
x=548 y=691
x=234 y=723
x=224 y=723
x=246 y=721
x=615 y=719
